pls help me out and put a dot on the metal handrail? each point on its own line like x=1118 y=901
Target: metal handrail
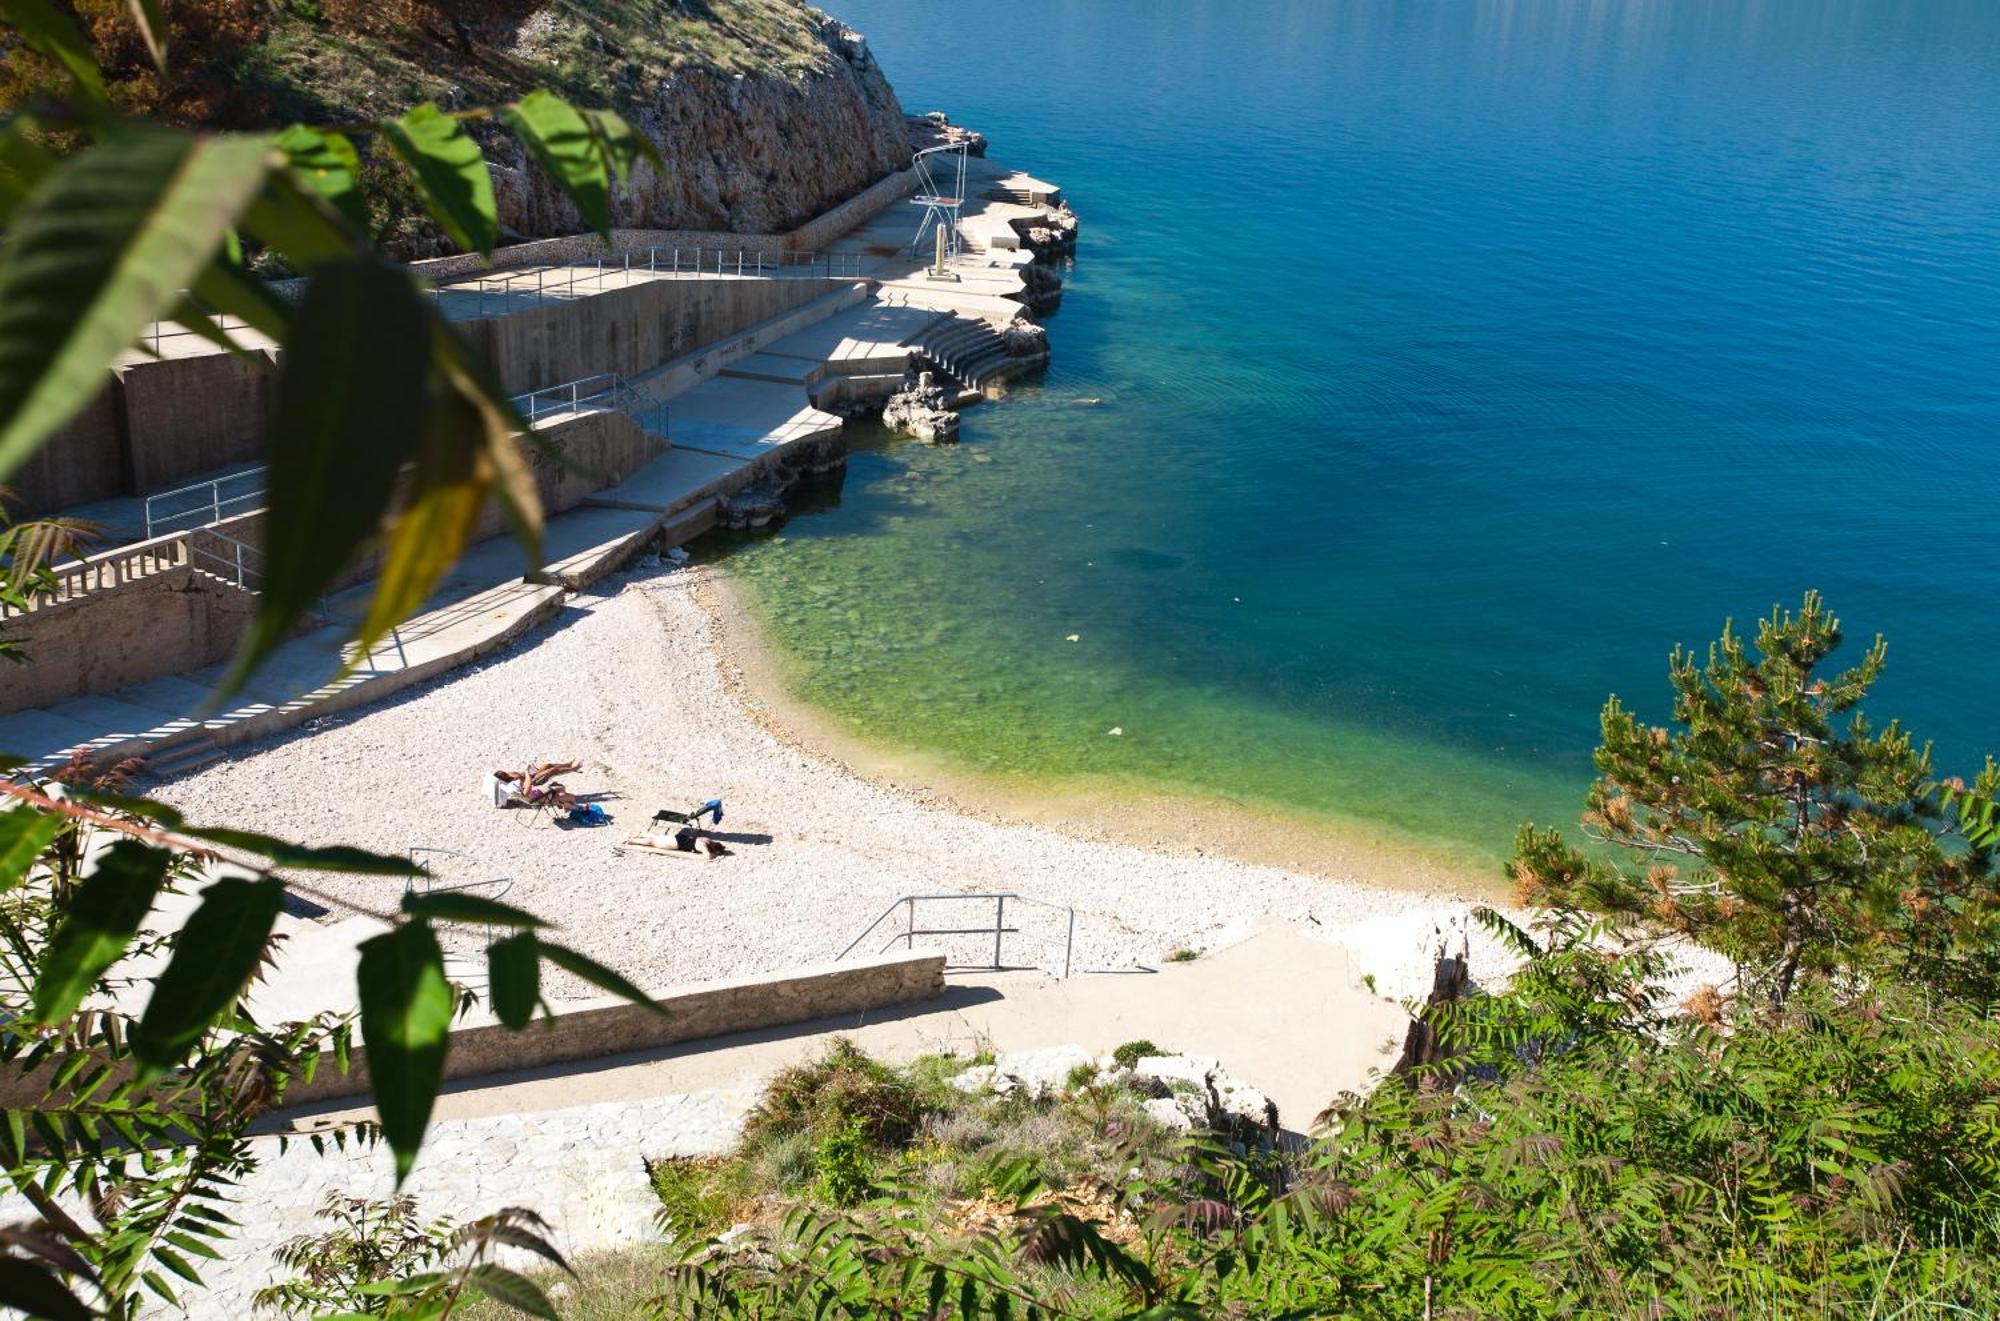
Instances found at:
x=579 y=279
x=498 y=885
x=908 y=935
x=567 y=397
x=210 y=507
x=238 y=560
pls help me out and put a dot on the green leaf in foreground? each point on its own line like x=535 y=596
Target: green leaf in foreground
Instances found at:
x=327 y=162
x=514 y=970
x=597 y=974
x=217 y=951
x=56 y=35
x=406 y=1006
x=512 y=1289
x=562 y=143
x=454 y=475
x=24 y=833
x=24 y=163
x=103 y=917
x=106 y=244
x=450 y=172
x=32 y=1290
x=349 y=413
x=280 y=853
x=622 y=145
x=457 y=906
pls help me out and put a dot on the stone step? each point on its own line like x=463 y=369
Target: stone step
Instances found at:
x=184 y=758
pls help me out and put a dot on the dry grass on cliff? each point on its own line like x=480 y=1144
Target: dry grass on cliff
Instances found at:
x=238 y=63
x=598 y=51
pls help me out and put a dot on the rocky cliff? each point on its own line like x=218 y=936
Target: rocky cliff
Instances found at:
x=767 y=112
x=748 y=153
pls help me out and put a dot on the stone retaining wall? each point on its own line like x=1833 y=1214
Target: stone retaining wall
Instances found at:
x=595 y=1028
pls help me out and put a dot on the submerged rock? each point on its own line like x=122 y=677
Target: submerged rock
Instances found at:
x=757 y=505
x=922 y=409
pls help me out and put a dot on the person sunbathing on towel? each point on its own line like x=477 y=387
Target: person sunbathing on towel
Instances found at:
x=541 y=773
x=537 y=784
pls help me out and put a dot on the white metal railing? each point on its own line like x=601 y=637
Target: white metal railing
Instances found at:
x=998 y=929
x=238 y=562
x=497 y=295
x=598 y=389
x=204 y=502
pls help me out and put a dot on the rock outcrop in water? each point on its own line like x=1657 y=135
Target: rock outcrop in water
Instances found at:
x=921 y=409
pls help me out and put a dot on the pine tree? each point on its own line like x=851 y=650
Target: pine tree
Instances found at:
x=1776 y=825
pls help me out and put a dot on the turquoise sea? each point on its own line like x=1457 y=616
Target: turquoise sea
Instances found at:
x=1427 y=369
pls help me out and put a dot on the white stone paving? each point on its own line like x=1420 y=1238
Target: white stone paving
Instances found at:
x=582 y=1169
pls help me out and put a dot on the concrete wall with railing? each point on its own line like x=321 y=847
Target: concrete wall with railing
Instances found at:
x=140 y=612
x=630 y=330
x=815 y=234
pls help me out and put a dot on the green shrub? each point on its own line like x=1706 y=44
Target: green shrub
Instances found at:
x=693 y=1204
x=842 y=1087
x=1128 y=1055
x=1080 y=1077
x=846 y=1173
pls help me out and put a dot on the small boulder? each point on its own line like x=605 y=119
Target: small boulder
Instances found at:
x=1025 y=339
x=921 y=409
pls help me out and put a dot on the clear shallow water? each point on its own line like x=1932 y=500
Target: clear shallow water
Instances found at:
x=1455 y=358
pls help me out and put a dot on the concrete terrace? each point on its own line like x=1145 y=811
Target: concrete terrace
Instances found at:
x=736 y=406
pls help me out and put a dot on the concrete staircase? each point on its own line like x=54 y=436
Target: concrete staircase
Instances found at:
x=968 y=348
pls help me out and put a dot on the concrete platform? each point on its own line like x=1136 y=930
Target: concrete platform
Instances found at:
x=583 y=545
x=672 y=482
x=873 y=331
x=779 y=370
x=746 y=419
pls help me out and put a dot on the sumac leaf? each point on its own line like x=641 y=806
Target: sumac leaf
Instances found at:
x=24 y=833
x=590 y=970
x=327 y=162
x=512 y=1289
x=349 y=414
x=450 y=172
x=103 y=916
x=105 y=245
x=214 y=955
x=406 y=1007
x=457 y=906
x=562 y=143
x=514 y=968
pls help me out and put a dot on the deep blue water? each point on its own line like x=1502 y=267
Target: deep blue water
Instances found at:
x=1456 y=358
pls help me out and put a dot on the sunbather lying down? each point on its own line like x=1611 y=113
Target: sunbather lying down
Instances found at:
x=540 y=773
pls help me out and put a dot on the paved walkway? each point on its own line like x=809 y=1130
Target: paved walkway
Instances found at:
x=1285 y=1010
x=1281 y=1010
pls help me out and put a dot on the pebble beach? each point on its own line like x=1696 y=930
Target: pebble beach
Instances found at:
x=633 y=682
